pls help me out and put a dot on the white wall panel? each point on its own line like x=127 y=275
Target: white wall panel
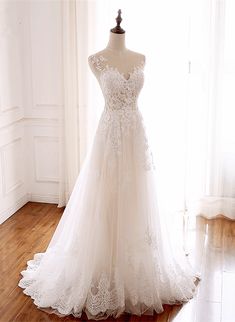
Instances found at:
x=13 y=160
x=13 y=187
x=45 y=159
x=11 y=69
x=45 y=48
x=46 y=55
x=13 y=183
x=11 y=63
x=31 y=97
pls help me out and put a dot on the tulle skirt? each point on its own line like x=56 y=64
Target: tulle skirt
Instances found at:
x=111 y=252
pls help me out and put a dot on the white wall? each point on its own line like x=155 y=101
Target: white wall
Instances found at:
x=31 y=96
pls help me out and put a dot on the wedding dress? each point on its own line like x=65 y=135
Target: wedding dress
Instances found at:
x=110 y=252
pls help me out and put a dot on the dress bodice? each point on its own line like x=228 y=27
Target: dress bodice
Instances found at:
x=119 y=92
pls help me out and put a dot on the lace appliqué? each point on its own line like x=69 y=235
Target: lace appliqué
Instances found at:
x=118 y=128
x=98 y=61
x=111 y=295
x=151 y=238
x=121 y=121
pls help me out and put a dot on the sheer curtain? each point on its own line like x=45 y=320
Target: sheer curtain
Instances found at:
x=186 y=102
x=79 y=20
x=210 y=174
x=69 y=146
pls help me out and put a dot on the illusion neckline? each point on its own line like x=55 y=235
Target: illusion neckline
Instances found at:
x=122 y=74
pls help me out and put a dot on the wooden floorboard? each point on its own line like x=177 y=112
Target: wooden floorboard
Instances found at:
x=211 y=244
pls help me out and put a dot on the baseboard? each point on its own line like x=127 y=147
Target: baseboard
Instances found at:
x=48 y=198
x=16 y=206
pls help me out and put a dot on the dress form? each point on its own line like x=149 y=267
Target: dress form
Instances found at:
x=117 y=54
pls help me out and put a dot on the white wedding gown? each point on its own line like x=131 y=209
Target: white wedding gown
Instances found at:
x=110 y=252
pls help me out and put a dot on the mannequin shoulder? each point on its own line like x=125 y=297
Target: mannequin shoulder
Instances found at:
x=139 y=58
x=142 y=59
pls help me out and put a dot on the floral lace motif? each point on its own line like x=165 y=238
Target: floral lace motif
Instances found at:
x=122 y=128
x=121 y=120
x=119 y=92
x=97 y=61
x=109 y=295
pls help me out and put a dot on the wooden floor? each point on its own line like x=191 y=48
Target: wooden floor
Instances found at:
x=211 y=242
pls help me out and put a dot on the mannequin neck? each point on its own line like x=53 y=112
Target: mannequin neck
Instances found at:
x=116 y=42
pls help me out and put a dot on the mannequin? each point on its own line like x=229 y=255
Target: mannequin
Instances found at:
x=116 y=53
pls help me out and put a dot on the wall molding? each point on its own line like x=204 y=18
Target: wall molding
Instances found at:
x=48 y=198
x=9 y=109
x=32 y=121
x=19 y=182
x=37 y=176
x=37 y=103
x=38 y=121
x=44 y=105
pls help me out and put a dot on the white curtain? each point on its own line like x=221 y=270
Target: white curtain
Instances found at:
x=187 y=100
x=210 y=172
x=78 y=114
x=69 y=147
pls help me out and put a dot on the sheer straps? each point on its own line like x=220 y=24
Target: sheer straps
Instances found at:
x=98 y=61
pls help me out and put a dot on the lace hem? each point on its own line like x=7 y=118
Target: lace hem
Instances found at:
x=107 y=298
